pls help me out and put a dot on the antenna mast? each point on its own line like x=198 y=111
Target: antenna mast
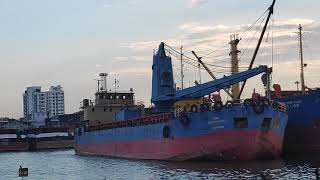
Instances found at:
x=303 y=87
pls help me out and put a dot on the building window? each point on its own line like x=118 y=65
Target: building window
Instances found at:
x=104 y=109
x=110 y=109
x=92 y=109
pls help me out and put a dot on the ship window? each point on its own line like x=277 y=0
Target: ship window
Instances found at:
x=240 y=122
x=110 y=109
x=111 y=97
x=123 y=97
x=117 y=97
x=92 y=109
x=104 y=109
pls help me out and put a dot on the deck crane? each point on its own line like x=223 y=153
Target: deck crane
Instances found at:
x=271 y=8
x=209 y=72
x=164 y=94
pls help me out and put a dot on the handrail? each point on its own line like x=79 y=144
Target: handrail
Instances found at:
x=148 y=120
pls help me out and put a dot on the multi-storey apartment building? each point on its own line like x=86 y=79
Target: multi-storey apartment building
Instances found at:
x=50 y=102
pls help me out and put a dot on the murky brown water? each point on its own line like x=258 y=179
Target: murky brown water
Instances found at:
x=66 y=165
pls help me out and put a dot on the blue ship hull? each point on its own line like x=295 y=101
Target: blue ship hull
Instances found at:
x=236 y=133
x=303 y=127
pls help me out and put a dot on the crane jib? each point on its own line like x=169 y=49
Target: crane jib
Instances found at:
x=213 y=86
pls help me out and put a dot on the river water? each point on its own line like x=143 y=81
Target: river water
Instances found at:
x=64 y=164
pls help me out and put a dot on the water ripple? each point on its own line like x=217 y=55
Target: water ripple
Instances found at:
x=65 y=164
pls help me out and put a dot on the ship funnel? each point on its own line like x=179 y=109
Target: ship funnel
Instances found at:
x=162 y=79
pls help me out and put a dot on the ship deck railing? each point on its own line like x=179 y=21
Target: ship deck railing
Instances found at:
x=148 y=120
x=47 y=130
x=159 y=118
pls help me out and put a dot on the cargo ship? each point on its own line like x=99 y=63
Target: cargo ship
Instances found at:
x=49 y=138
x=184 y=124
x=304 y=115
x=13 y=140
x=303 y=123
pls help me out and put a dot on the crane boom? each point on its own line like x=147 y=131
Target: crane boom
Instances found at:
x=209 y=72
x=271 y=8
x=212 y=86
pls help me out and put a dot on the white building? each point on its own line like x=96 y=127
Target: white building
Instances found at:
x=55 y=101
x=30 y=102
x=50 y=102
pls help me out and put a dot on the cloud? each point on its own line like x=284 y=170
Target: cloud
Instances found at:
x=194 y=3
x=205 y=37
x=139 y=45
x=128 y=59
x=294 y=22
x=132 y=71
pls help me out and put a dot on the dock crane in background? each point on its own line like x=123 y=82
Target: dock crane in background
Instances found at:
x=209 y=71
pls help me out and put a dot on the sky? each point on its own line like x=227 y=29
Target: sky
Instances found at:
x=45 y=43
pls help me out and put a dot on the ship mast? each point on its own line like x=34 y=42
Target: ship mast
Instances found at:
x=234 y=41
x=199 y=72
x=303 y=87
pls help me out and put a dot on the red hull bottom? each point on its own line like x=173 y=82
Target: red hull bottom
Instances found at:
x=232 y=145
x=14 y=146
